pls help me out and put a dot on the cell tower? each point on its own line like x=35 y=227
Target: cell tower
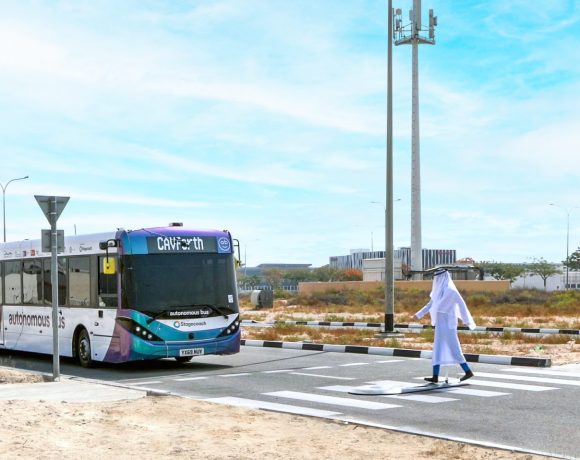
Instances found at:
x=410 y=34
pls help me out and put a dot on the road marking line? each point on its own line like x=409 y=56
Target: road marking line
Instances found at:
x=348 y=402
x=323 y=376
x=512 y=386
x=144 y=383
x=525 y=378
x=390 y=361
x=542 y=372
x=353 y=364
x=286 y=408
x=422 y=398
x=394 y=383
x=418 y=398
x=186 y=379
x=234 y=375
x=473 y=392
x=278 y=371
x=315 y=367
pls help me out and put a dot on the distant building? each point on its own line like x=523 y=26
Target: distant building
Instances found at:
x=553 y=283
x=431 y=258
x=374 y=269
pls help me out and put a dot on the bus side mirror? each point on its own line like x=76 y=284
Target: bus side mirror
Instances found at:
x=109 y=266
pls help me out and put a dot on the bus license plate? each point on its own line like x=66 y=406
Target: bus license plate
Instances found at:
x=191 y=352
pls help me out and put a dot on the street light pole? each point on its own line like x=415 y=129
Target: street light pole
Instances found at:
x=4 y=187
x=567 y=211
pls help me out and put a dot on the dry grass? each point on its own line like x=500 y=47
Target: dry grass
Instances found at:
x=516 y=308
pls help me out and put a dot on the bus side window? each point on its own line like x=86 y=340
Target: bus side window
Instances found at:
x=32 y=281
x=107 y=287
x=13 y=282
x=79 y=281
x=62 y=285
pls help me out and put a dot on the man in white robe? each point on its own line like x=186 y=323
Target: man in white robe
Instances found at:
x=445 y=308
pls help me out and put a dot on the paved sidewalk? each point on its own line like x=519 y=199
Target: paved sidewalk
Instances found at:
x=68 y=390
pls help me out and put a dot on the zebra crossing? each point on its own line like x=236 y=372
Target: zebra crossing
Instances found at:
x=324 y=399
x=330 y=401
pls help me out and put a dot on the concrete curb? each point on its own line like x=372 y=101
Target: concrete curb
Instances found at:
x=413 y=326
x=402 y=352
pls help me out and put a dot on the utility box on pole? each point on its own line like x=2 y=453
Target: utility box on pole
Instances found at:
x=52 y=207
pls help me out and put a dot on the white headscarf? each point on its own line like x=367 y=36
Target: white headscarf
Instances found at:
x=445 y=298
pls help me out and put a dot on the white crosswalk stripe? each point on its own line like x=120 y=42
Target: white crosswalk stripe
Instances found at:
x=321 y=399
x=508 y=385
x=544 y=372
x=323 y=376
x=474 y=392
x=255 y=404
x=526 y=378
x=418 y=398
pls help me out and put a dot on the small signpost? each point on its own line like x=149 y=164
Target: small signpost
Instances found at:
x=53 y=241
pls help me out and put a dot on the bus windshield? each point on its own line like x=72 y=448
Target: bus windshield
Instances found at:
x=154 y=283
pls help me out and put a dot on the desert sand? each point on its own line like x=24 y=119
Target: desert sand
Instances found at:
x=157 y=427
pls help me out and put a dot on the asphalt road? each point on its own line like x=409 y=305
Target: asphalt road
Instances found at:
x=529 y=409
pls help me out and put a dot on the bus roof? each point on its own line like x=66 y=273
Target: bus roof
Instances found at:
x=89 y=244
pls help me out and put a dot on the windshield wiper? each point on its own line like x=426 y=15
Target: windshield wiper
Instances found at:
x=157 y=315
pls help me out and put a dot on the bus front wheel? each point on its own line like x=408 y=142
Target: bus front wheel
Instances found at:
x=84 y=349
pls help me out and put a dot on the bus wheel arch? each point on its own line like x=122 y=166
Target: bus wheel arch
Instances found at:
x=82 y=347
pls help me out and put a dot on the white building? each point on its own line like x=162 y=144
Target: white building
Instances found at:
x=553 y=283
x=374 y=269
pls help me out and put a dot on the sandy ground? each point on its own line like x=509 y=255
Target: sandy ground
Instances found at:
x=157 y=427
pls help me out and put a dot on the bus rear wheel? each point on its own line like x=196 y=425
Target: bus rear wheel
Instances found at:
x=183 y=359
x=84 y=349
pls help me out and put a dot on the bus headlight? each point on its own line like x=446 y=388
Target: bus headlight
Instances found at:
x=232 y=328
x=137 y=329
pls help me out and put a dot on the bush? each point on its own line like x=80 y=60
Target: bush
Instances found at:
x=476 y=300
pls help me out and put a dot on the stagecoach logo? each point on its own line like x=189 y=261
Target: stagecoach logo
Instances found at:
x=82 y=248
x=178 y=324
x=224 y=244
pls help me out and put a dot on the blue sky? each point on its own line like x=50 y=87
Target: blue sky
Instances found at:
x=268 y=118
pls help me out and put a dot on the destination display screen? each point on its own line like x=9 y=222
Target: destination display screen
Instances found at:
x=188 y=244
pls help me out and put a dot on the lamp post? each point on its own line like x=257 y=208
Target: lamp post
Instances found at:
x=4 y=187
x=567 y=211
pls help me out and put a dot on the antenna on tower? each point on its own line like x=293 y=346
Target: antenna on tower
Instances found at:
x=405 y=34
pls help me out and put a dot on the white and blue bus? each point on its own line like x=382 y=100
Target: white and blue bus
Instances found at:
x=124 y=296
